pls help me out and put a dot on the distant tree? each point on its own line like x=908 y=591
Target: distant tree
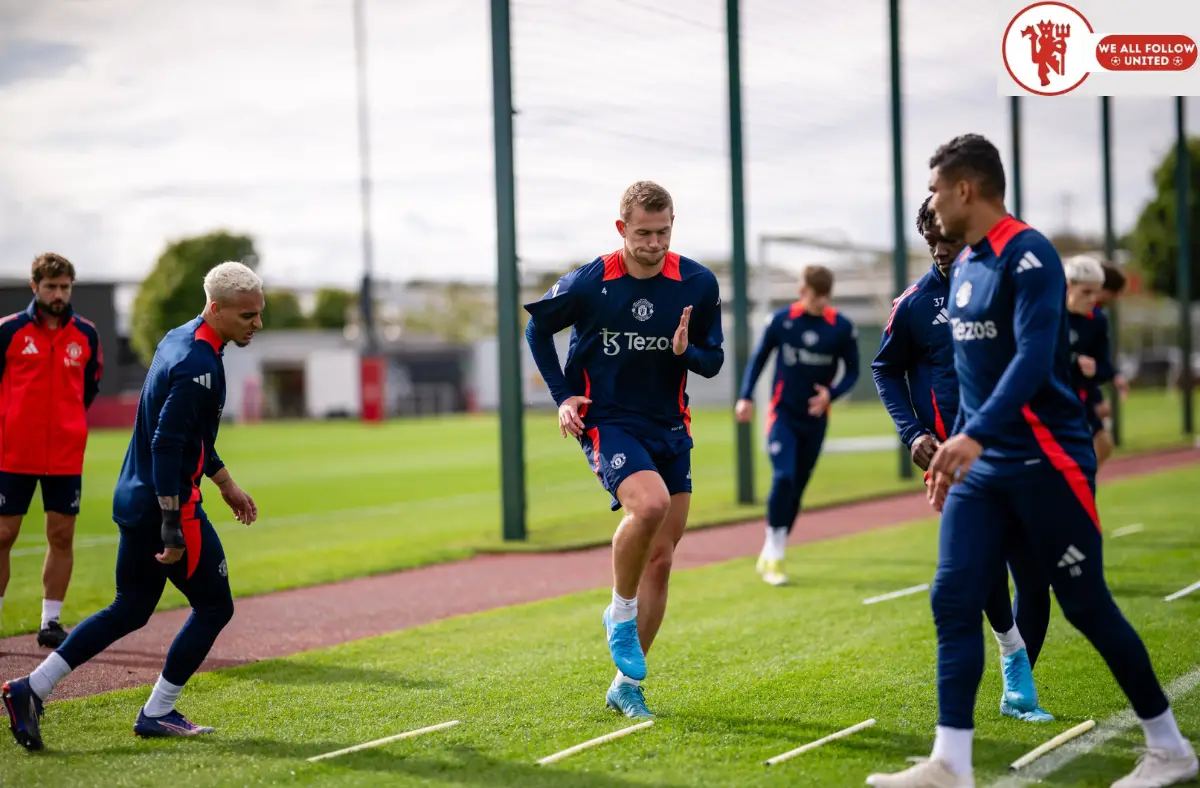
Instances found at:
x=1154 y=241
x=283 y=311
x=173 y=292
x=331 y=307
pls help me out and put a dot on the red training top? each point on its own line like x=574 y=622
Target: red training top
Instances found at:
x=48 y=379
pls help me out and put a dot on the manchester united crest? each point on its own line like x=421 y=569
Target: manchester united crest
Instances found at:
x=963 y=296
x=74 y=351
x=643 y=310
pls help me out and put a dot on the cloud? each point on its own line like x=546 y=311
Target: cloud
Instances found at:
x=24 y=59
x=146 y=122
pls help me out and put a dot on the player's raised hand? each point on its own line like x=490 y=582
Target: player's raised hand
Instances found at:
x=569 y=419
x=680 y=343
x=1087 y=365
x=955 y=457
x=819 y=402
x=743 y=411
x=923 y=449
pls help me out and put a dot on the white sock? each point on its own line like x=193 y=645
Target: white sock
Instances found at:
x=162 y=699
x=623 y=679
x=50 y=611
x=45 y=677
x=774 y=544
x=780 y=535
x=952 y=746
x=1162 y=733
x=1010 y=642
x=623 y=609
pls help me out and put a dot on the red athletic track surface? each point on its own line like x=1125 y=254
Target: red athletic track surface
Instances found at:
x=281 y=623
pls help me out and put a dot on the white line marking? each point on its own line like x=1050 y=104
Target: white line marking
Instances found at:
x=812 y=745
x=1046 y=747
x=1127 y=530
x=896 y=594
x=378 y=742
x=1184 y=592
x=1111 y=728
x=558 y=756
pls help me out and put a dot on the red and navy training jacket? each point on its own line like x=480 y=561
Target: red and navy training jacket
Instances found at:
x=620 y=354
x=175 y=432
x=914 y=368
x=1089 y=337
x=1008 y=320
x=809 y=349
x=48 y=380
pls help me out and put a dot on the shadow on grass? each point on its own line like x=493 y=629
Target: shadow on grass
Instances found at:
x=301 y=673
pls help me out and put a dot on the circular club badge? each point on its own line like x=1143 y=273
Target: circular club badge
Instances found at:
x=1047 y=48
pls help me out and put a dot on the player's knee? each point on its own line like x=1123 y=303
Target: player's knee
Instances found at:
x=947 y=598
x=1086 y=610
x=9 y=528
x=131 y=614
x=647 y=499
x=60 y=533
x=783 y=485
x=218 y=612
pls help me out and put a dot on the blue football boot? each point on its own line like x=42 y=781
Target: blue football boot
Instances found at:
x=1020 y=700
x=171 y=724
x=625 y=647
x=25 y=710
x=628 y=699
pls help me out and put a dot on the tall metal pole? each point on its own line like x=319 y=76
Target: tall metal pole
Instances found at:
x=737 y=261
x=900 y=245
x=1183 y=279
x=1014 y=118
x=508 y=290
x=366 y=297
x=1110 y=245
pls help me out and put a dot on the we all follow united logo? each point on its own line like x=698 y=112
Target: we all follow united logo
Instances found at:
x=1050 y=48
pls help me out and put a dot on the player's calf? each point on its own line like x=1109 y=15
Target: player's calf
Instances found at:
x=646 y=502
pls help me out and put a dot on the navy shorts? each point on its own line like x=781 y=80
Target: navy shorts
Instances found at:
x=60 y=494
x=614 y=455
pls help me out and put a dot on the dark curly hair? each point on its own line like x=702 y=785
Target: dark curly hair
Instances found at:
x=925 y=217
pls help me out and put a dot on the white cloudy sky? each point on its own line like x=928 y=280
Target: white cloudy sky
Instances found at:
x=125 y=123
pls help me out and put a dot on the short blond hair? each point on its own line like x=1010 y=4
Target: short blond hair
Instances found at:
x=1083 y=269
x=648 y=196
x=223 y=283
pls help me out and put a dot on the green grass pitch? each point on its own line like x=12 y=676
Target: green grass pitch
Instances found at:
x=741 y=672
x=339 y=500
